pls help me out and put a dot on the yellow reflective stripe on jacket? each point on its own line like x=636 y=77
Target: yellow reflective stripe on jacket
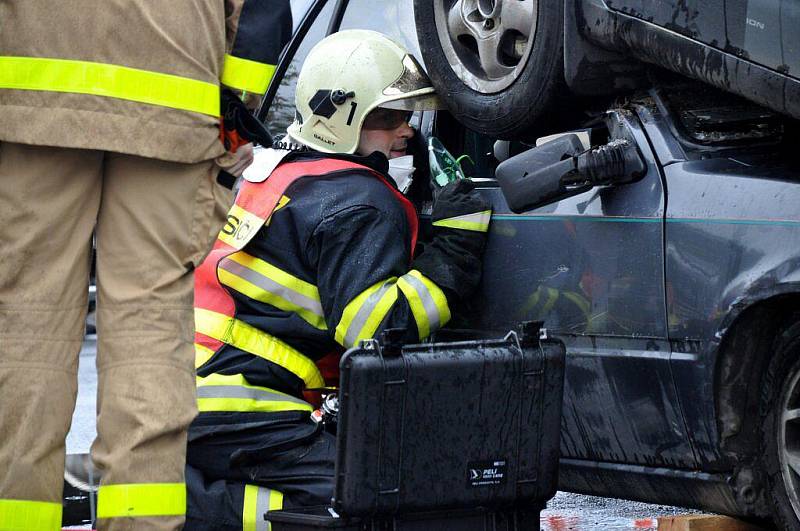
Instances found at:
x=244 y=74
x=240 y=227
x=478 y=221
x=262 y=281
x=232 y=392
x=22 y=515
x=257 y=501
x=201 y=355
x=363 y=315
x=141 y=499
x=257 y=342
x=113 y=81
x=427 y=301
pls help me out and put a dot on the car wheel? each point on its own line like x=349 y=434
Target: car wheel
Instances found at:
x=498 y=64
x=781 y=429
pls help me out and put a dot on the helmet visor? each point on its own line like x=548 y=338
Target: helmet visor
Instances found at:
x=412 y=91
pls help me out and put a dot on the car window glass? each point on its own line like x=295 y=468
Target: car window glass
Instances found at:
x=394 y=18
x=281 y=113
x=479 y=161
x=476 y=149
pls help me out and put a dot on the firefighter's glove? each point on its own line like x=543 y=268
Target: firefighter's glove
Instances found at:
x=238 y=125
x=452 y=259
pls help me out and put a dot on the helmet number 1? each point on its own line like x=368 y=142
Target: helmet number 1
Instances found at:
x=353 y=106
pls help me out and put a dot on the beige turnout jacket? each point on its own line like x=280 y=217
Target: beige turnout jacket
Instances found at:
x=133 y=76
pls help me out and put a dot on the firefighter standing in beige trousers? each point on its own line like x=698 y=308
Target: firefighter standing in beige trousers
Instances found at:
x=109 y=116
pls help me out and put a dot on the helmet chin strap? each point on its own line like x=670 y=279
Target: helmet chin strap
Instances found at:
x=290 y=143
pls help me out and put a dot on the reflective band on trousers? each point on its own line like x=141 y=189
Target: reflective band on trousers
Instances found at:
x=257 y=342
x=257 y=501
x=244 y=74
x=364 y=314
x=223 y=392
x=141 y=499
x=26 y=515
x=113 y=81
x=262 y=281
x=427 y=301
x=478 y=221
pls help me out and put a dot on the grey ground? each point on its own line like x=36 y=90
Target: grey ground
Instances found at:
x=564 y=512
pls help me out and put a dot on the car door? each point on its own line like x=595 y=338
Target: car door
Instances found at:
x=592 y=267
x=697 y=19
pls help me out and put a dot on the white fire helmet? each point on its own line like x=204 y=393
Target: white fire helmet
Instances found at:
x=345 y=77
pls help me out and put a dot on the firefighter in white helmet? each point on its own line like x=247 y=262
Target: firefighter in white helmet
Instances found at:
x=314 y=259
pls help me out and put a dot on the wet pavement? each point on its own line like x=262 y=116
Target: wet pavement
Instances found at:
x=569 y=511
x=84 y=427
x=564 y=512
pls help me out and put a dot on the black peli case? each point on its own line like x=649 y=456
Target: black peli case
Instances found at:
x=448 y=425
x=465 y=429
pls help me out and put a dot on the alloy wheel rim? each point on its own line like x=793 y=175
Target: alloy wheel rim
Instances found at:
x=486 y=42
x=789 y=441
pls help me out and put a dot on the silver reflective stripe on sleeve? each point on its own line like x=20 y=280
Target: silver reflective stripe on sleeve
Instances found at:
x=431 y=311
x=365 y=312
x=427 y=301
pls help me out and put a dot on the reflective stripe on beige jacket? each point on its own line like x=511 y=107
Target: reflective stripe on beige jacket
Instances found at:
x=131 y=76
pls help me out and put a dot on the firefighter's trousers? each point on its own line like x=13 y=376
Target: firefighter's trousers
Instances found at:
x=238 y=470
x=154 y=222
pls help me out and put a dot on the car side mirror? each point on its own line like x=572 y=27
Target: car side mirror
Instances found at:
x=562 y=168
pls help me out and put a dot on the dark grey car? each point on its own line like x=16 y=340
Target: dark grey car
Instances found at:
x=678 y=297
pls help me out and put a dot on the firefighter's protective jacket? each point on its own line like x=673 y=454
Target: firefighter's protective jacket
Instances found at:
x=330 y=266
x=141 y=78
